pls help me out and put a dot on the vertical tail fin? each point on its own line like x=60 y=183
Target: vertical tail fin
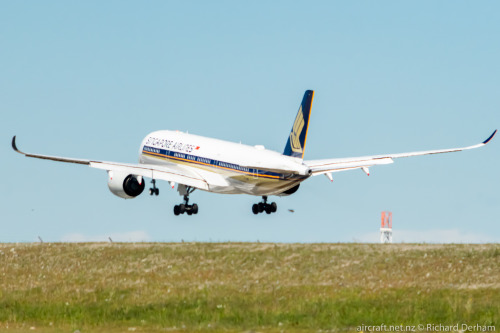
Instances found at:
x=296 y=143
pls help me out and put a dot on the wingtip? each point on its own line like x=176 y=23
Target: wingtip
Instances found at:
x=491 y=137
x=14 y=144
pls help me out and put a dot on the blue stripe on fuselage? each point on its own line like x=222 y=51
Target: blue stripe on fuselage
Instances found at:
x=168 y=154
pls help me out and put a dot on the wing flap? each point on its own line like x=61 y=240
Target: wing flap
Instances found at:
x=320 y=167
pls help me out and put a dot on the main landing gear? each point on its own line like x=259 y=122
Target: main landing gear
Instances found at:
x=185 y=207
x=154 y=190
x=264 y=206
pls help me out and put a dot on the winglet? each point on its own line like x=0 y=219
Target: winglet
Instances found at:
x=14 y=145
x=491 y=137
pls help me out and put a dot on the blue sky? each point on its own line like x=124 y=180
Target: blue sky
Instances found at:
x=91 y=79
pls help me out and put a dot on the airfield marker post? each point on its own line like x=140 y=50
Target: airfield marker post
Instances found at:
x=386 y=228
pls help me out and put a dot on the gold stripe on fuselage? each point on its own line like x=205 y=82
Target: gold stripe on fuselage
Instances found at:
x=266 y=183
x=162 y=156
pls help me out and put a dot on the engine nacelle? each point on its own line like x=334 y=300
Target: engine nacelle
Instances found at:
x=289 y=191
x=125 y=185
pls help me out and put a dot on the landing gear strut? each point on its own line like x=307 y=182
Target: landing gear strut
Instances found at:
x=186 y=207
x=264 y=207
x=154 y=190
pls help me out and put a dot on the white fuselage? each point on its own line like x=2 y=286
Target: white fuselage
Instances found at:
x=232 y=168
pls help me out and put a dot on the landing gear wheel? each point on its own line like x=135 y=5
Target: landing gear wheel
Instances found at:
x=261 y=207
x=185 y=207
x=154 y=190
x=264 y=207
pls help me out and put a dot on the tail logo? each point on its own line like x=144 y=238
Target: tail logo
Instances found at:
x=298 y=125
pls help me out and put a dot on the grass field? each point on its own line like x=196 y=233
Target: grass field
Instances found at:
x=260 y=287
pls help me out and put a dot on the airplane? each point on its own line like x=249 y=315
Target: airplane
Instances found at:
x=195 y=162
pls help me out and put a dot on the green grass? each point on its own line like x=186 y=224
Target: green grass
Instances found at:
x=151 y=287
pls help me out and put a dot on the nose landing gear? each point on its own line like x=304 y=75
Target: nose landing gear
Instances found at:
x=154 y=190
x=264 y=207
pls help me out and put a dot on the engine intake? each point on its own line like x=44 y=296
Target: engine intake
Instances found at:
x=125 y=185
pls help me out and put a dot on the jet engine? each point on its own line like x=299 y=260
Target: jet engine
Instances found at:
x=289 y=191
x=125 y=185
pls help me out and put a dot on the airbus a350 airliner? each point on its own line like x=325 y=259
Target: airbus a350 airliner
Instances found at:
x=196 y=162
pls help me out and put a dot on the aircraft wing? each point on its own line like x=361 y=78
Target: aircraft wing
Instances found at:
x=327 y=166
x=172 y=173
